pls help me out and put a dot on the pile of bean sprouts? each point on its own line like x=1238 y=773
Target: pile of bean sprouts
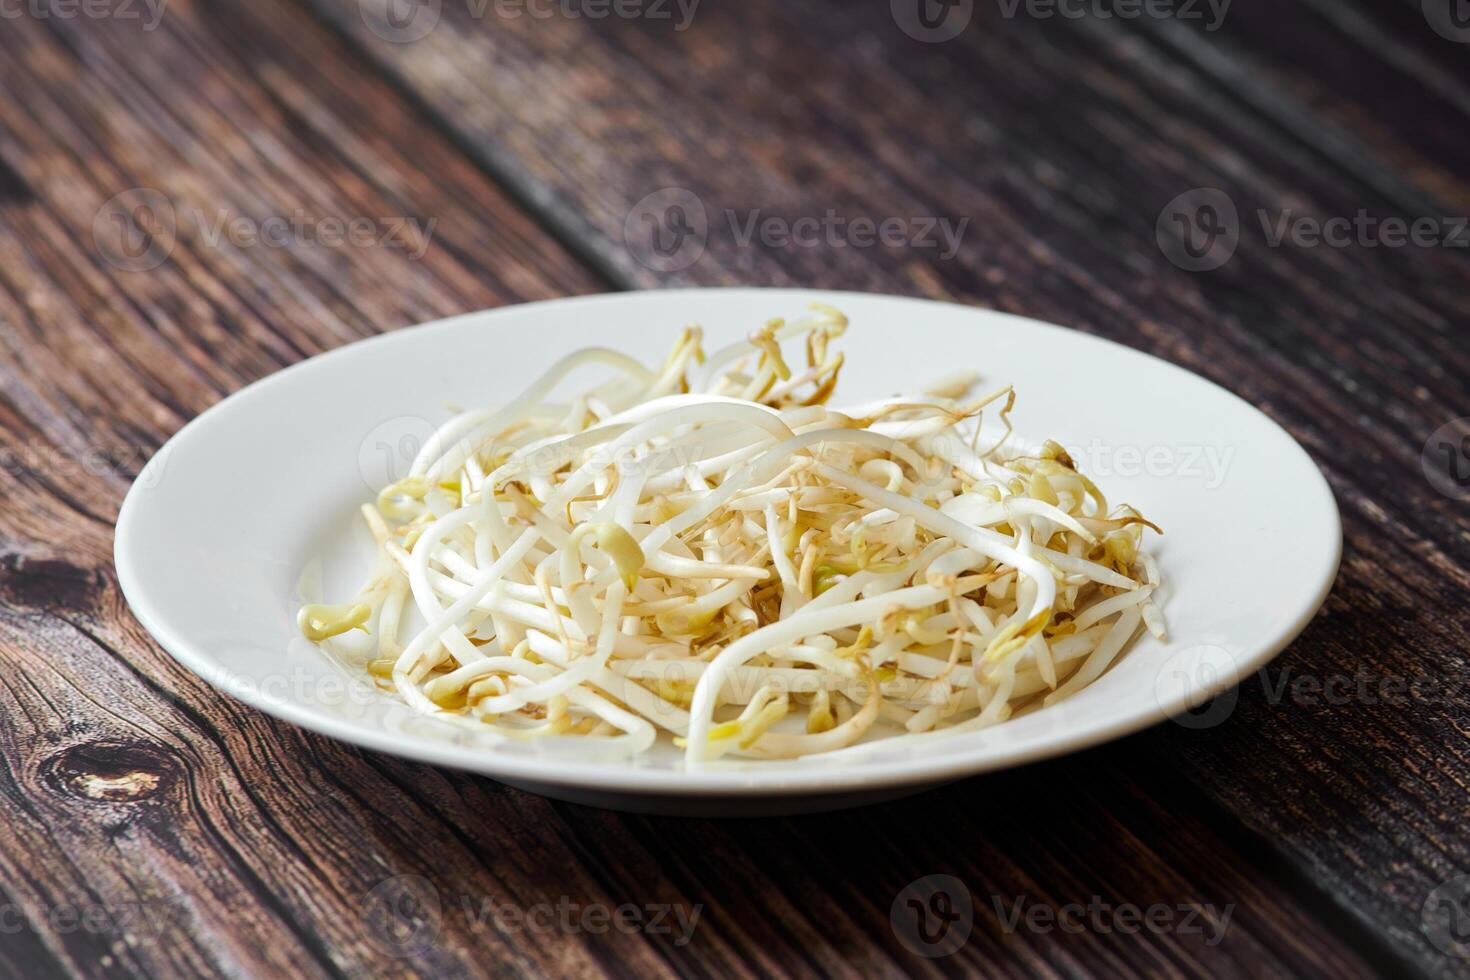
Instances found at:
x=706 y=549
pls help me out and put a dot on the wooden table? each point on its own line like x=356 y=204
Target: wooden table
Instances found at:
x=153 y=827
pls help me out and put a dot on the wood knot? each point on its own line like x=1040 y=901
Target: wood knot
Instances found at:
x=111 y=772
x=47 y=583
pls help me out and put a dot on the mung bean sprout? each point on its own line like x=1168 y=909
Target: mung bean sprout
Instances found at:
x=707 y=552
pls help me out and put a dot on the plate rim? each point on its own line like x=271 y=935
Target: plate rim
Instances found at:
x=713 y=782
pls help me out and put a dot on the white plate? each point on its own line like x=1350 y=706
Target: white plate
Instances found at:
x=214 y=536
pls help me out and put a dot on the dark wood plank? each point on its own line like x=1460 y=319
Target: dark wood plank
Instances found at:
x=1063 y=142
x=229 y=843
x=151 y=826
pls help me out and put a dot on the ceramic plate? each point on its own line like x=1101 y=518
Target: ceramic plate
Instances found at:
x=258 y=495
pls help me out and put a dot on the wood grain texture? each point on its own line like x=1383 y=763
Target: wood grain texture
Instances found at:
x=1063 y=141
x=201 y=837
